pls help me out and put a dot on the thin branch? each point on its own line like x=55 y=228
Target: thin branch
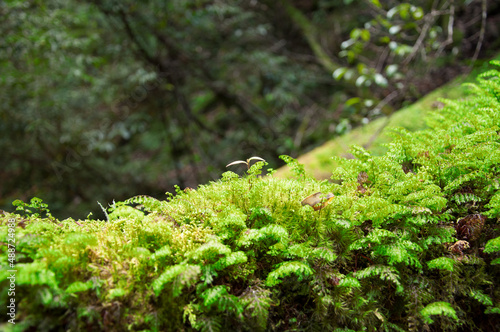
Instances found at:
x=382 y=60
x=133 y=37
x=162 y=67
x=248 y=108
x=484 y=15
x=416 y=47
x=451 y=22
x=387 y=99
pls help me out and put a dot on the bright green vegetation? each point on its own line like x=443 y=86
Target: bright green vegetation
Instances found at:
x=410 y=241
x=373 y=136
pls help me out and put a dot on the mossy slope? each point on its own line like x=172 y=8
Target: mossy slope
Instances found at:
x=373 y=135
x=410 y=241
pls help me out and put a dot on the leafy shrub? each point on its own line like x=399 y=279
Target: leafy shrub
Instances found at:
x=410 y=241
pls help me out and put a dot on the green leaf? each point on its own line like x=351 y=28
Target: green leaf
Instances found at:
x=365 y=35
x=417 y=12
x=394 y=29
x=390 y=70
x=353 y=101
x=355 y=33
x=362 y=80
x=380 y=80
x=339 y=73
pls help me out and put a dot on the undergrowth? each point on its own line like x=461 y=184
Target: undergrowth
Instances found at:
x=409 y=242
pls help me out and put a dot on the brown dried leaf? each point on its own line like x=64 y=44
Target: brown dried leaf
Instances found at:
x=317 y=200
x=470 y=227
x=362 y=178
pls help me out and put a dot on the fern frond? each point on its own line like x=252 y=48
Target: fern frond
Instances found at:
x=297 y=168
x=276 y=232
x=400 y=252
x=229 y=223
x=455 y=184
x=209 y=324
x=438 y=308
x=382 y=271
x=360 y=153
x=325 y=254
x=480 y=297
x=443 y=263
x=492 y=245
x=149 y=203
x=300 y=269
x=494 y=205
x=376 y=236
x=219 y=297
x=232 y=258
x=212 y=295
x=257 y=302
x=300 y=250
x=492 y=310
x=349 y=282
x=438 y=236
x=209 y=251
x=79 y=286
x=272 y=232
x=462 y=198
x=35 y=273
x=162 y=252
x=187 y=274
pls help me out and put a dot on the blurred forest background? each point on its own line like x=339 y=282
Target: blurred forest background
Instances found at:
x=107 y=99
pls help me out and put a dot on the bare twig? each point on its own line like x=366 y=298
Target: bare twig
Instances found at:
x=451 y=22
x=387 y=99
x=428 y=23
x=484 y=15
x=430 y=19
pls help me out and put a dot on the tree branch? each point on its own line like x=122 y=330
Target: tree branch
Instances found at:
x=484 y=14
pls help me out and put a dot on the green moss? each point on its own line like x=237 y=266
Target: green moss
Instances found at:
x=408 y=240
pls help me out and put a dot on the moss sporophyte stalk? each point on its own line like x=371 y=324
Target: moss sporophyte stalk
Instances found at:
x=405 y=241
